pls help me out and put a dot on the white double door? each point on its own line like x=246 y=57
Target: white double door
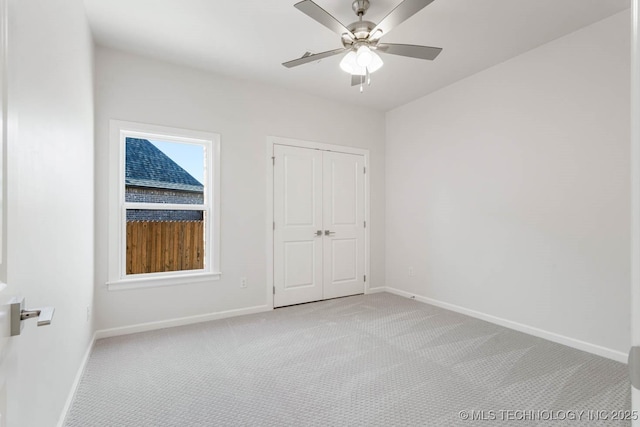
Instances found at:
x=319 y=215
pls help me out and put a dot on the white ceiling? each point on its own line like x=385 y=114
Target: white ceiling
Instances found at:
x=249 y=39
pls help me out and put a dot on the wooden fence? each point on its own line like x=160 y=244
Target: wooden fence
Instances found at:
x=155 y=246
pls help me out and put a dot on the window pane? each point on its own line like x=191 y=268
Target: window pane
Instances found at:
x=164 y=172
x=161 y=245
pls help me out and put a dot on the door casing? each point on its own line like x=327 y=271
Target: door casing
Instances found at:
x=273 y=140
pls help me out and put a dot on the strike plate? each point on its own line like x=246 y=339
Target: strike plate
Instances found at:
x=17 y=305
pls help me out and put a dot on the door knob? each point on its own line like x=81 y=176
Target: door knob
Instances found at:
x=329 y=233
x=19 y=313
x=318 y=233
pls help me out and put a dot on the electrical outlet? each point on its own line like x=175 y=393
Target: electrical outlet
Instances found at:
x=410 y=271
x=243 y=282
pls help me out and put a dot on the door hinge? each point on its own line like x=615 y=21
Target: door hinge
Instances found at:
x=364 y=169
x=274 y=290
x=365 y=224
x=274 y=160
x=274 y=225
x=365 y=277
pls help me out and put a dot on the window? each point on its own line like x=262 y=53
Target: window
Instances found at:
x=164 y=223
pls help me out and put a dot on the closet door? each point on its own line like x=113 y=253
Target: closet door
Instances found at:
x=318 y=203
x=343 y=220
x=298 y=219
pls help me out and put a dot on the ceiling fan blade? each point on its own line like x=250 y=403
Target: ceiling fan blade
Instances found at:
x=411 y=50
x=311 y=58
x=314 y=11
x=401 y=13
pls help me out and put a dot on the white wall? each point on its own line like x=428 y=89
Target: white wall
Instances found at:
x=136 y=89
x=50 y=199
x=508 y=192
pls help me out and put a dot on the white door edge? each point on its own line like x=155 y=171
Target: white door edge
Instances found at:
x=635 y=192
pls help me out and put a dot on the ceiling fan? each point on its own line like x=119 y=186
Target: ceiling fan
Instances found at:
x=361 y=39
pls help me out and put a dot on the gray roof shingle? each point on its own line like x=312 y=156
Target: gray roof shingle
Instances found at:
x=147 y=166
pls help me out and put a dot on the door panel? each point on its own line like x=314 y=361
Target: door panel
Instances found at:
x=297 y=201
x=343 y=206
x=342 y=188
x=300 y=260
x=344 y=259
x=299 y=189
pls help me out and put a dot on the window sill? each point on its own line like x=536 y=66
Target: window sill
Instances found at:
x=162 y=280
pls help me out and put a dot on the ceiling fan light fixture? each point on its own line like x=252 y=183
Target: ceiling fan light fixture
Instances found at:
x=376 y=63
x=364 y=56
x=349 y=65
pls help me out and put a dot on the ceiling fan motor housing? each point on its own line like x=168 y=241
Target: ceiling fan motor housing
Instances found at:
x=360 y=29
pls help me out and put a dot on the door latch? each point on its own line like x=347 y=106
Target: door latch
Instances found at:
x=19 y=313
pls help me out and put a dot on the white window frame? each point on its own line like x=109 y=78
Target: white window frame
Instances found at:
x=118 y=279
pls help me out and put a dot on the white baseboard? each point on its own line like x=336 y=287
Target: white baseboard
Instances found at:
x=162 y=324
x=76 y=382
x=551 y=336
x=375 y=290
